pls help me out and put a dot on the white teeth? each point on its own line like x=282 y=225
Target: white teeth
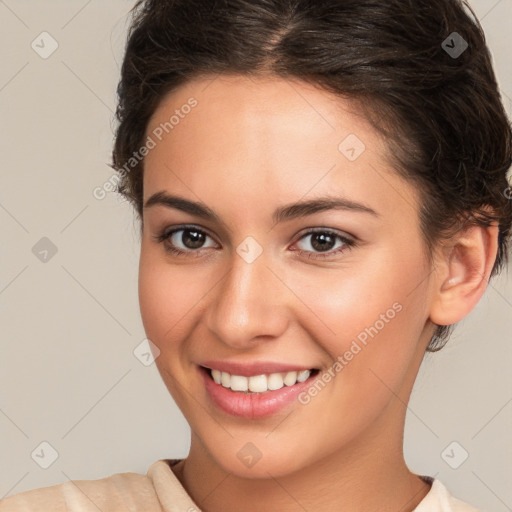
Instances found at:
x=259 y=383
x=225 y=379
x=303 y=375
x=290 y=379
x=239 y=383
x=275 y=381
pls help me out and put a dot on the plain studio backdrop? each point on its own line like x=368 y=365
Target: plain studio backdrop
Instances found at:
x=75 y=392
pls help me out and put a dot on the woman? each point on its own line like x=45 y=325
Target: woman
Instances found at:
x=322 y=194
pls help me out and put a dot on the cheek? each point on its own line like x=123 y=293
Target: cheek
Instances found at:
x=347 y=301
x=372 y=315
x=171 y=296
x=166 y=294
x=377 y=320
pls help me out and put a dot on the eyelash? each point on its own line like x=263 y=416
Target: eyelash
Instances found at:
x=167 y=234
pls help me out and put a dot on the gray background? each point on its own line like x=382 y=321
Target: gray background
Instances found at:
x=69 y=325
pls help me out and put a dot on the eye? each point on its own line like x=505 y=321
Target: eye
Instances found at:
x=324 y=241
x=189 y=241
x=184 y=240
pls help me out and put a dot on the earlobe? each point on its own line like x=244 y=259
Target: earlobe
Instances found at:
x=463 y=269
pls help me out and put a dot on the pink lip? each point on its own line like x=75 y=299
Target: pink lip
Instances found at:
x=252 y=405
x=254 y=368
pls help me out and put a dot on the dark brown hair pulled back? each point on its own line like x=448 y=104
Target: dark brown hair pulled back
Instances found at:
x=442 y=114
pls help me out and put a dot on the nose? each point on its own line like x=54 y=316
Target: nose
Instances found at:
x=248 y=304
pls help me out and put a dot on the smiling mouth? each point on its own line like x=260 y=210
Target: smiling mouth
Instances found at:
x=258 y=384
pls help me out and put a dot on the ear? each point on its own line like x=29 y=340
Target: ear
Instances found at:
x=462 y=269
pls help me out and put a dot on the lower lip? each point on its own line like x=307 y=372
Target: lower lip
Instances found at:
x=252 y=405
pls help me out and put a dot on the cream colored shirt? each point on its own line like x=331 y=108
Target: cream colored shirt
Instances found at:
x=158 y=491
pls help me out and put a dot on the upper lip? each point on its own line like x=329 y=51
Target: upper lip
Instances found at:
x=254 y=368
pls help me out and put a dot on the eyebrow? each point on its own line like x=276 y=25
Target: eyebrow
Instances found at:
x=281 y=214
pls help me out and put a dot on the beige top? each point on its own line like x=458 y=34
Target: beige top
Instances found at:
x=158 y=491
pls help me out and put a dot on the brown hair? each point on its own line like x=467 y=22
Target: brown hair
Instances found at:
x=436 y=100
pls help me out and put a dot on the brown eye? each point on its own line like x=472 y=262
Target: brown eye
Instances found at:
x=322 y=241
x=323 y=244
x=191 y=239
x=184 y=240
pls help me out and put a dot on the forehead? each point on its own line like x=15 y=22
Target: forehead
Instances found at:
x=289 y=109
x=265 y=138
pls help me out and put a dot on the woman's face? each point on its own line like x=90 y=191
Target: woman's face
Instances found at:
x=344 y=290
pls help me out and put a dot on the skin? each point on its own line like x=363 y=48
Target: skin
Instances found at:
x=248 y=147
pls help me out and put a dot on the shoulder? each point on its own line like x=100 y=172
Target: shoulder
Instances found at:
x=439 y=498
x=460 y=506
x=122 y=491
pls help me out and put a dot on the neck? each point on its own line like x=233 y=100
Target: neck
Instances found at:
x=368 y=474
